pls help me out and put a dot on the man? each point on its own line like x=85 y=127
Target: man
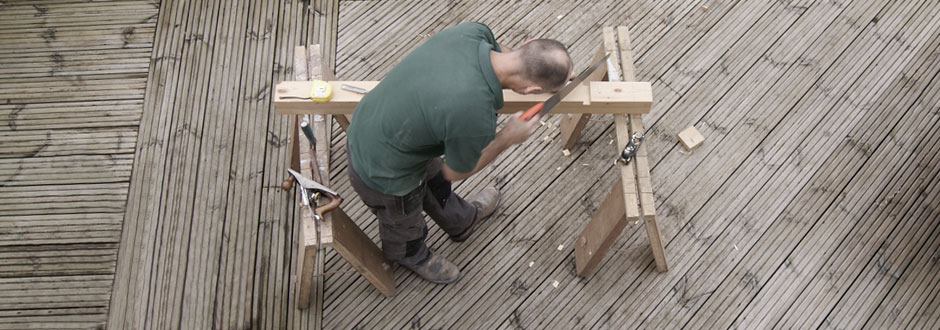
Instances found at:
x=442 y=100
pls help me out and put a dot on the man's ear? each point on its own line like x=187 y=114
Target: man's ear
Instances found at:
x=533 y=89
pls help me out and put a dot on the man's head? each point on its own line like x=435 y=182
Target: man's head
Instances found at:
x=546 y=64
x=538 y=66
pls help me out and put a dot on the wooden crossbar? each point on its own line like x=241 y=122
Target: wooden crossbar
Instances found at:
x=598 y=97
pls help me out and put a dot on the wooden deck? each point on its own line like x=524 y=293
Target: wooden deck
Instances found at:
x=72 y=80
x=140 y=161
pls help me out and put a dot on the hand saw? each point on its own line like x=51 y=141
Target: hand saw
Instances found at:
x=542 y=108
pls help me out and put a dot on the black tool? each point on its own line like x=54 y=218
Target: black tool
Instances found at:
x=630 y=149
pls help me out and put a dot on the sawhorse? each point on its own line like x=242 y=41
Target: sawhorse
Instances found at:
x=337 y=230
x=631 y=199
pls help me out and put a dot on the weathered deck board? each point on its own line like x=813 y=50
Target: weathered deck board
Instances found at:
x=72 y=76
x=904 y=144
x=208 y=236
x=812 y=202
x=720 y=53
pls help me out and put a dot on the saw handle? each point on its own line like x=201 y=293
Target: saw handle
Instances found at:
x=531 y=112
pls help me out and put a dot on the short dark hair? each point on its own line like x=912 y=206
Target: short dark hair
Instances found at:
x=544 y=64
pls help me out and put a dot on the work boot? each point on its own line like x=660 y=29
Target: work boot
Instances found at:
x=486 y=202
x=436 y=269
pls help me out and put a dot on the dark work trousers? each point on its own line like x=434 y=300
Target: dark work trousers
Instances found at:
x=401 y=224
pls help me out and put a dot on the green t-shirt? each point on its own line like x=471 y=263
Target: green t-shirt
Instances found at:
x=440 y=100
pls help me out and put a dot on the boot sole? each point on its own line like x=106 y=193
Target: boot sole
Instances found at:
x=444 y=281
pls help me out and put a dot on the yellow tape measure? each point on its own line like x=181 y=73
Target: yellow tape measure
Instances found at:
x=321 y=91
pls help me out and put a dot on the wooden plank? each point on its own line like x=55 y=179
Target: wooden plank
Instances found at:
x=369 y=59
x=131 y=287
x=572 y=124
x=314 y=162
x=300 y=70
x=250 y=140
x=309 y=242
x=641 y=161
x=14 y=197
x=645 y=192
x=355 y=247
x=913 y=301
x=56 y=313
x=606 y=225
x=274 y=302
x=300 y=73
x=194 y=228
x=319 y=159
x=68 y=228
x=603 y=97
x=65 y=170
x=343 y=120
x=359 y=250
x=46 y=143
x=75 y=115
x=60 y=260
x=600 y=233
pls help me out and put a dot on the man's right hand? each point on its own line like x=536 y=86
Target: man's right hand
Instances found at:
x=517 y=130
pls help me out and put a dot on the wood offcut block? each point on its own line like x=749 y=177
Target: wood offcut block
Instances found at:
x=691 y=138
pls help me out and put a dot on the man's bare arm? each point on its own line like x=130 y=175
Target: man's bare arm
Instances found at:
x=516 y=131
